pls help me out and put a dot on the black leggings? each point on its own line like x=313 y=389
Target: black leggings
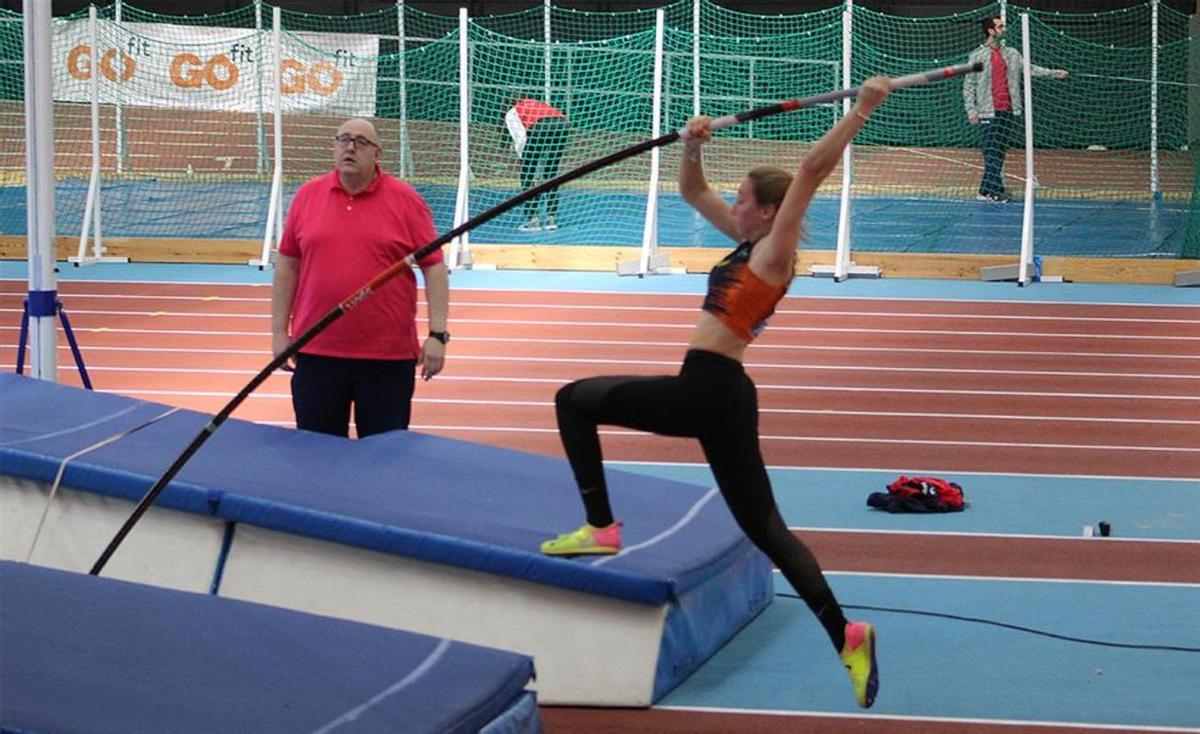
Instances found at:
x=711 y=399
x=539 y=163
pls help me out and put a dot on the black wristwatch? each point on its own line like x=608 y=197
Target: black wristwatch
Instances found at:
x=442 y=336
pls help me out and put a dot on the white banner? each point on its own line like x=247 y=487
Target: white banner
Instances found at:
x=205 y=68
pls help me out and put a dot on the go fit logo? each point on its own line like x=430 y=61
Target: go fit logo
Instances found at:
x=189 y=71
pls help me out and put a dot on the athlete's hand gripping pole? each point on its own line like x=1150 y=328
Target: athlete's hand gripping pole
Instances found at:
x=283 y=357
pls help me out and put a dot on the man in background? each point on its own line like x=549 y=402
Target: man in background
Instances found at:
x=993 y=101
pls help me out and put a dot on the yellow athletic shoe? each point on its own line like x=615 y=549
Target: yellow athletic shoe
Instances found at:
x=858 y=655
x=587 y=540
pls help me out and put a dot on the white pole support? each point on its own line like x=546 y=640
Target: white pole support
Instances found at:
x=843 y=267
x=1155 y=191
x=841 y=262
x=91 y=208
x=546 y=60
x=1027 y=219
x=274 y=229
x=118 y=119
x=695 y=57
x=649 y=260
x=460 y=246
x=39 y=191
x=406 y=159
x=260 y=133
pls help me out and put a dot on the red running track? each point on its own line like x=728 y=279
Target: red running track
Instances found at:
x=942 y=386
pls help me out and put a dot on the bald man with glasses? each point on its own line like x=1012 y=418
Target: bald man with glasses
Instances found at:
x=343 y=229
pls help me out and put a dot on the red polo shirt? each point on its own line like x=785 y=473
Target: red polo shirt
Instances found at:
x=343 y=241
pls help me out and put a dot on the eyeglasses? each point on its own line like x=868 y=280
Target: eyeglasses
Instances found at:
x=359 y=141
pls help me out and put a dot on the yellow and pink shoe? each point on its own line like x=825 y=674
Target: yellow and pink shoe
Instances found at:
x=858 y=655
x=586 y=541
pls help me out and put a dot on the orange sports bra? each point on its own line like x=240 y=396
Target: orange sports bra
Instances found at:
x=739 y=298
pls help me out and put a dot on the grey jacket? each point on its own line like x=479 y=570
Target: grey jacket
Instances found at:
x=977 y=88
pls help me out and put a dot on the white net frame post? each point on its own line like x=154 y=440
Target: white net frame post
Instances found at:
x=90 y=229
x=651 y=261
x=273 y=232
x=39 y=188
x=843 y=267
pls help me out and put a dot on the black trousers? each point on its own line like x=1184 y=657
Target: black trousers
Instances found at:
x=711 y=399
x=995 y=137
x=324 y=388
x=543 y=153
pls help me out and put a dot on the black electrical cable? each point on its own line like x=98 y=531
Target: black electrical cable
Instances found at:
x=1016 y=627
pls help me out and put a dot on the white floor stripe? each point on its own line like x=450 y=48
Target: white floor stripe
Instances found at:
x=1022 y=579
x=993 y=536
x=922 y=470
x=759 y=347
x=815 y=388
x=457 y=321
x=18 y=283
x=798 y=411
x=639 y=308
x=933 y=719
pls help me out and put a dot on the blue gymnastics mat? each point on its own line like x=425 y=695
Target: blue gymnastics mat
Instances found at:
x=82 y=653
x=402 y=529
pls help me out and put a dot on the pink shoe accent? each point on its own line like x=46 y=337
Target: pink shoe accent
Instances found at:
x=856 y=634
x=609 y=536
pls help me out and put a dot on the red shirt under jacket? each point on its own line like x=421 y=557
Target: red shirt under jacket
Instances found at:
x=343 y=242
x=532 y=110
x=1001 y=100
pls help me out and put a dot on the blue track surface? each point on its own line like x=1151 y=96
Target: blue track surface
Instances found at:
x=942 y=668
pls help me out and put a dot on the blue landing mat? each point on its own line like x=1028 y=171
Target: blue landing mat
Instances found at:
x=82 y=653
x=406 y=494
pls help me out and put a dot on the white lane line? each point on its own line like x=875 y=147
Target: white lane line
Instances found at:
x=521 y=305
x=652 y=344
x=909 y=470
x=650 y=325
x=990 y=536
x=1023 y=579
x=619 y=363
x=786 y=713
x=813 y=388
x=689 y=293
x=797 y=411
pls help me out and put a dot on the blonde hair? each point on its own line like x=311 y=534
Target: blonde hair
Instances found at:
x=769 y=184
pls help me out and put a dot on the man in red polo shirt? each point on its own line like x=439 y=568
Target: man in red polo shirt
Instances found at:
x=993 y=100
x=539 y=132
x=343 y=229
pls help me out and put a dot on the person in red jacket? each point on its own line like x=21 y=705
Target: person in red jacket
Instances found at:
x=539 y=131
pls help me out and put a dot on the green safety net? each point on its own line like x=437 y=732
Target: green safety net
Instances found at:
x=185 y=153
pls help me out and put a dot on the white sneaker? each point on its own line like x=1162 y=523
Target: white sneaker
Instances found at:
x=551 y=224
x=531 y=226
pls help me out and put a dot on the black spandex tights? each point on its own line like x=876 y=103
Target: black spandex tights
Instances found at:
x=713 y=400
